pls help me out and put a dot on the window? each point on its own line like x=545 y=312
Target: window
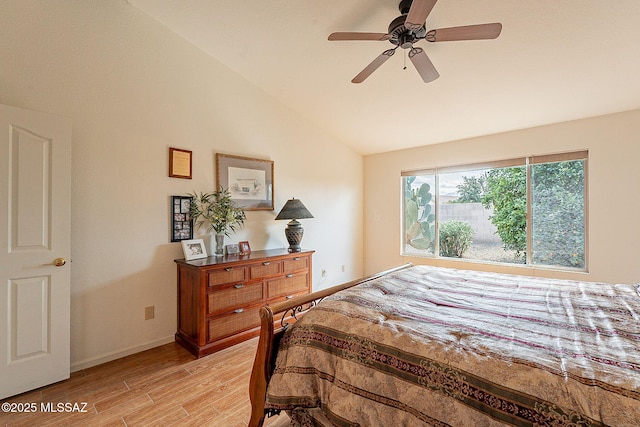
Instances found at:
x=520 y=211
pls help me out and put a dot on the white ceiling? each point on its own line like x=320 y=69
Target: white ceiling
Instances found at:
x=554 y=61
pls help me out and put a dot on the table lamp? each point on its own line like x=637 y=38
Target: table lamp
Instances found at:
x=294 y=210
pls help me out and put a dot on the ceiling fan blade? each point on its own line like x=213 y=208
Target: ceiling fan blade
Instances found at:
x=345 y=36
x=468 y=32
x=369 y=69
x=418 y=13
x=423 y=64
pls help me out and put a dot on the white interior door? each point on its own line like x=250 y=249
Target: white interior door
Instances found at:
x=35 y=230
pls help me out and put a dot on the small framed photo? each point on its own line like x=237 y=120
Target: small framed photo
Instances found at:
x=194 y=249
x=181 y=224
x=233 y=249
x=180 y=163
x=245 y=249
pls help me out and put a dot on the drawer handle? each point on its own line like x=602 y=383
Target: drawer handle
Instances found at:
x=289 y=296
x=289 y=276
x=228 y=269
x=266 y=263
x=238 y=310
x=239 y=286
x=296 y=258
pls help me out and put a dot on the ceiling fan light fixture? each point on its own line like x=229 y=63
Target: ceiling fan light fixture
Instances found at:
x=406 y=41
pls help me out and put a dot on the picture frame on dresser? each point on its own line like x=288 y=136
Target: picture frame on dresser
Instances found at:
x=232 y=249
x=248 y=180
x=194 y=249
x=245 y=248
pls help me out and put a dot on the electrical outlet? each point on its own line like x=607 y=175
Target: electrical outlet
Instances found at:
x=343 y=268
x=324 y=273
x=149 y=312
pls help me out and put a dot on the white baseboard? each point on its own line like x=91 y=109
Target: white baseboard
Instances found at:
x=98 y=360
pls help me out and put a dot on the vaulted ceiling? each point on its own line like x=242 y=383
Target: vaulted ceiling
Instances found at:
x=554 y=61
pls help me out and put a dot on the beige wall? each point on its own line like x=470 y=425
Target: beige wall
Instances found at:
x=133 y=88
x=614 y=207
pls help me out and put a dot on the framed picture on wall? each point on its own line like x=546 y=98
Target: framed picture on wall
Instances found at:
x=249 y=181
x=180 y=163
x=181 y=224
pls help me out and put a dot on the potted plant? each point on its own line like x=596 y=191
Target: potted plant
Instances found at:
x=219 y=213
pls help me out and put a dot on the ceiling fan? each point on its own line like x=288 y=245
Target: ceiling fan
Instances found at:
x=408 y=29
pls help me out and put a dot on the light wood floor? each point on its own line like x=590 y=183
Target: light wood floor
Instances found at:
x=164 y=386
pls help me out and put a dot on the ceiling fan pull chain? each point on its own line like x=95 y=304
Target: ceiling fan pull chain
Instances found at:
x=405 y=60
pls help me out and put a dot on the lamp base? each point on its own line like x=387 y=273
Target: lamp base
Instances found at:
x=294 y=233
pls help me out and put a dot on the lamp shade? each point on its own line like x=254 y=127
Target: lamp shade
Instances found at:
x=294 y=209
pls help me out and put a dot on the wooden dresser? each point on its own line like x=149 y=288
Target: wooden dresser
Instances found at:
x=219 y=298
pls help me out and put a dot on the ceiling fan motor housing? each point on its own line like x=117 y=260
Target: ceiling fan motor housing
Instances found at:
x=399 y=35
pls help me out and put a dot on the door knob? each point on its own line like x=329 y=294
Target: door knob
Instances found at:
x=59 y=262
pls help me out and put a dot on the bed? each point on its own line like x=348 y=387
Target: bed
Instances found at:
x=420 y=345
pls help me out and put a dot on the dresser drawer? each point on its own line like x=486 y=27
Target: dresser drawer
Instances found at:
x=228 y=296
x=233 y=322
x=226 y=275
x=295 y=264
x=287 y=297
x=287 y=285
x=264 y=269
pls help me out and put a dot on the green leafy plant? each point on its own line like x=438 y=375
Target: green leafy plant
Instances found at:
x=472 y=189
x=558 y=213
x=419 y=221
x=217 y=211
x=455 y=238
x=557 y=204
x=506 y=191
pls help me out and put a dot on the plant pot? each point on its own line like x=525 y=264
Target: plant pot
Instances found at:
x=217 y=244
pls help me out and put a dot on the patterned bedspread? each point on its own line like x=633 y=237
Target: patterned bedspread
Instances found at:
x=443 y=347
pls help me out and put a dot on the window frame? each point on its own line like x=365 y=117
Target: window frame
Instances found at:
x=527 y=162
